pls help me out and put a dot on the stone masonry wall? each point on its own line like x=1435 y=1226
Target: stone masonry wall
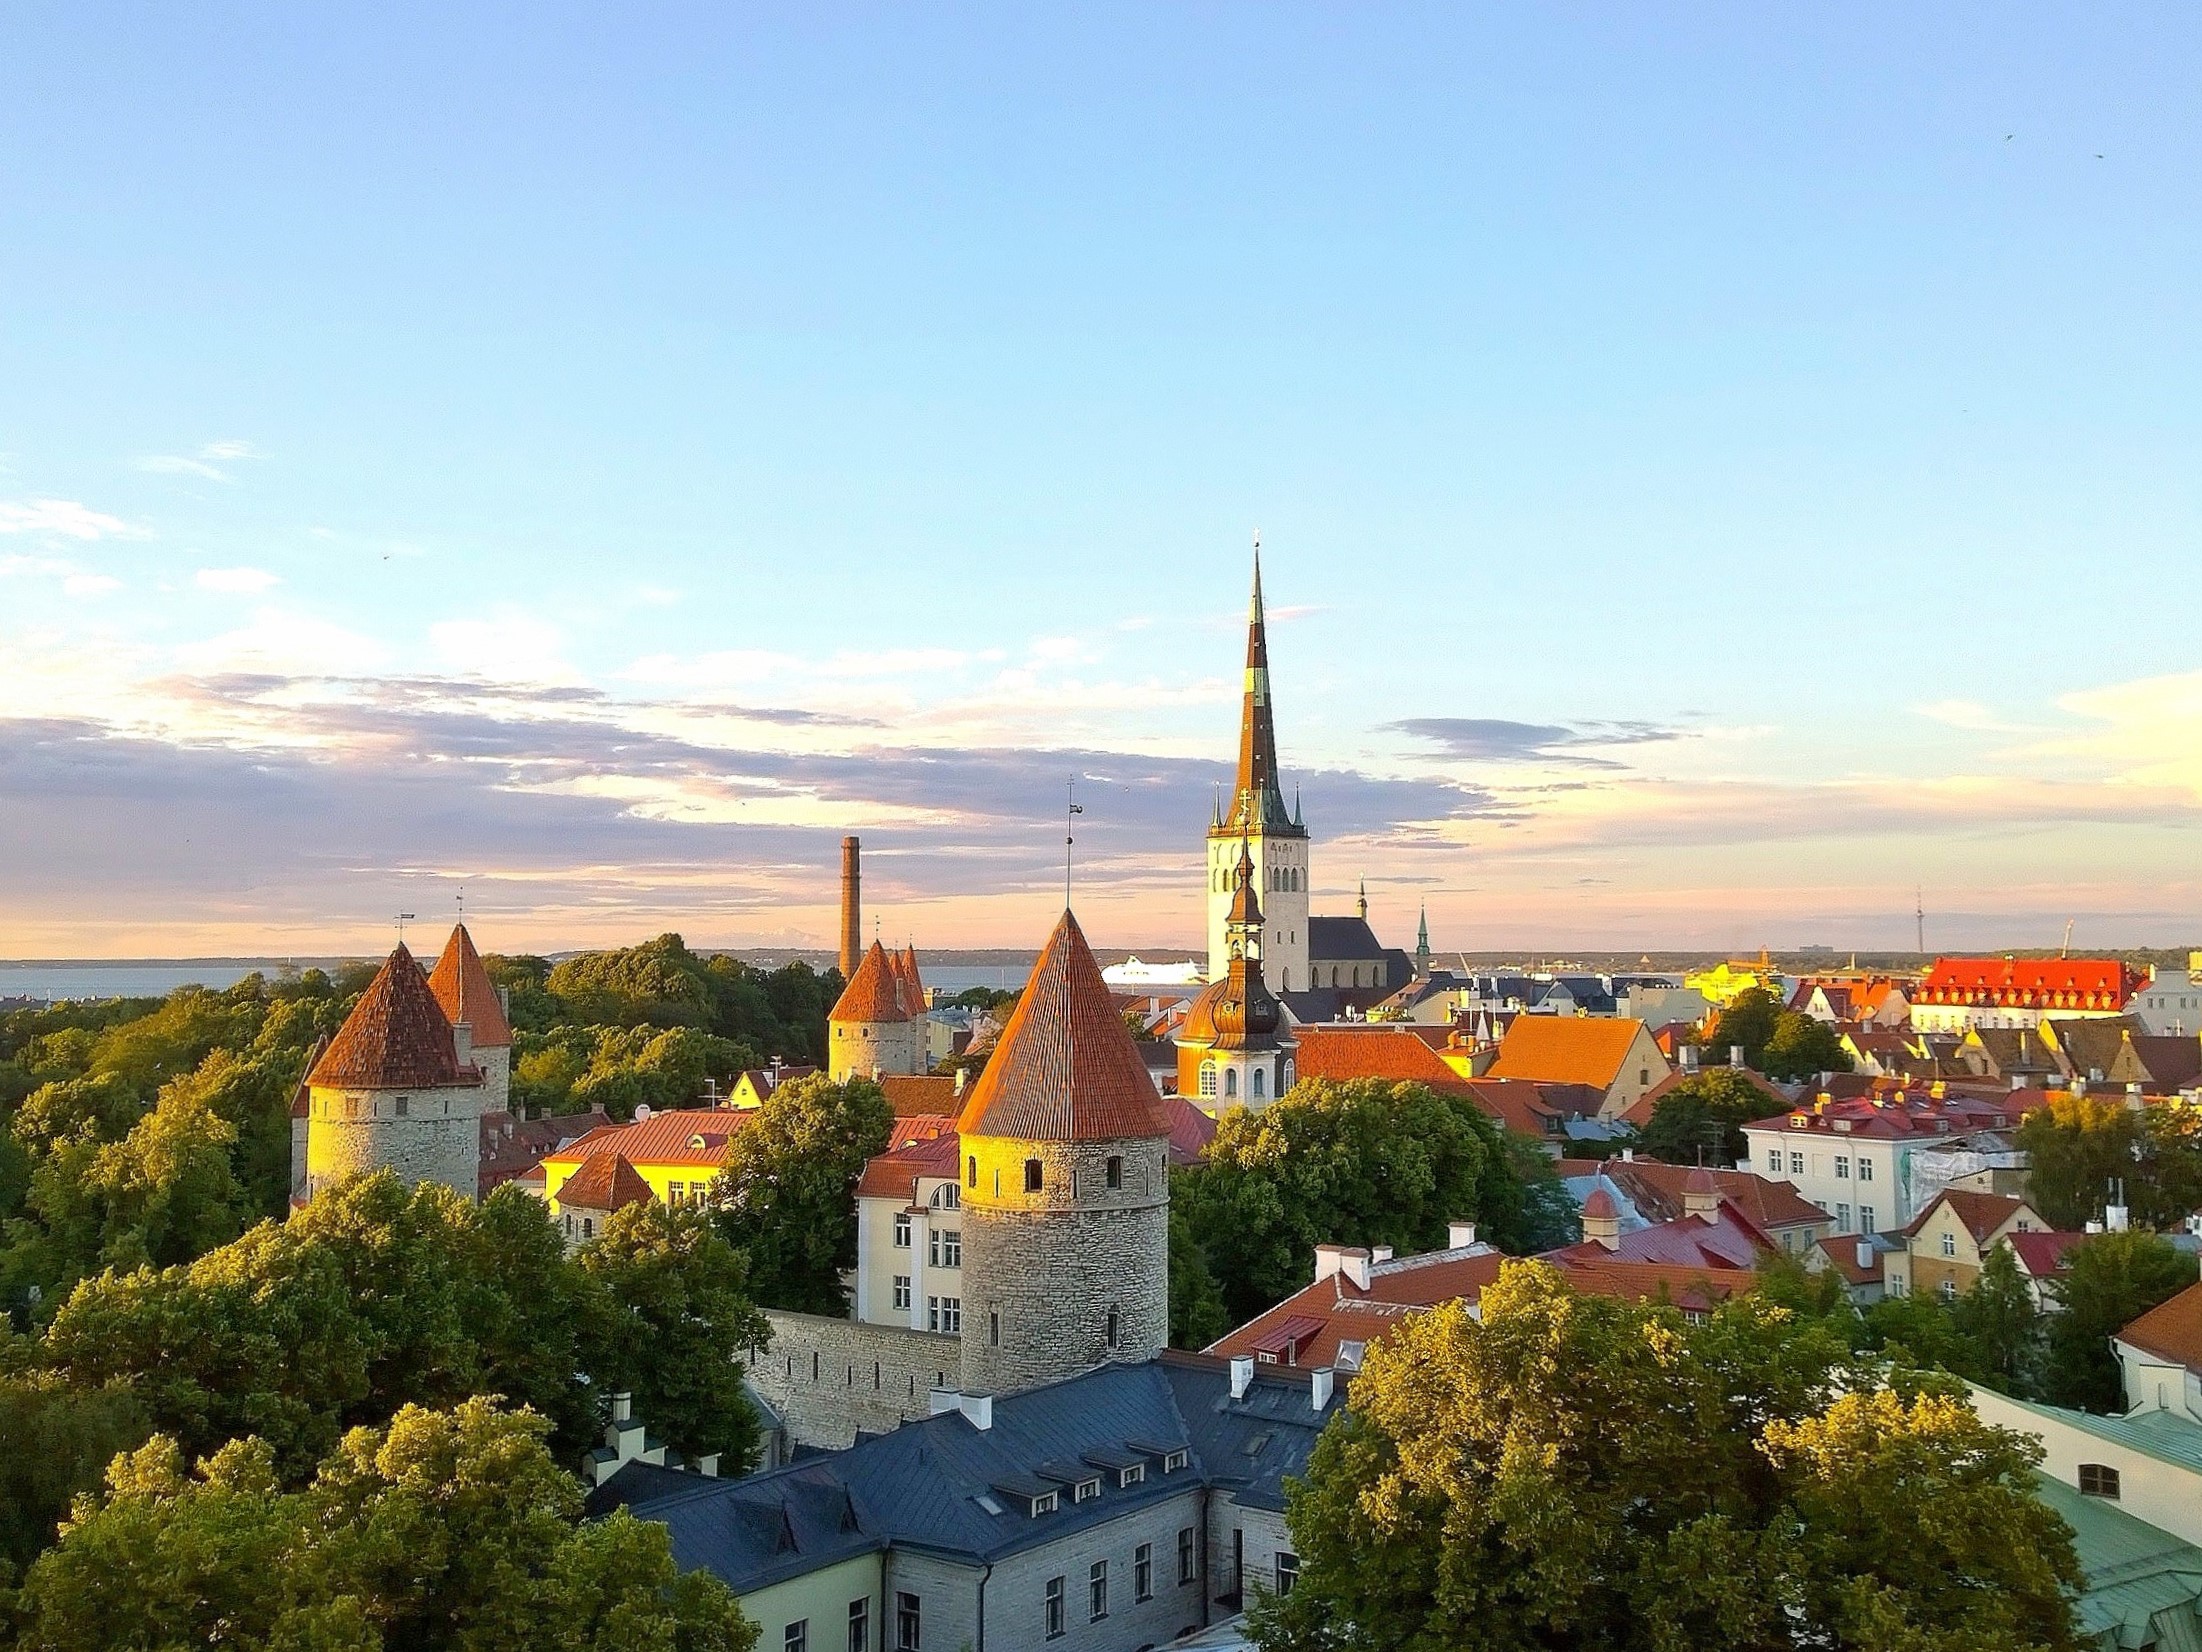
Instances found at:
x=830 y=1377
x=857 y=1049
x=437 y=1137
x=1042 y=1271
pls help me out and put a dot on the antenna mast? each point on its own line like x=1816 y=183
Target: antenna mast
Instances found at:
x=1919 y=912
x=1072 y=809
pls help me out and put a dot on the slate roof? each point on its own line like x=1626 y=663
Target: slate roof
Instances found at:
x=1065 y=1068
x=2171 y=1330
x=1343 y=940
x=874 y=993
x=512 y=1147
x=396 y=1037
x=1566 y=1049
x=465 y=992
x=922 y=1484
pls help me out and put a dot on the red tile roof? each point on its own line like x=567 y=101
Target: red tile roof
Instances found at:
x=693 y=1136
x=875 y=993
x=1566 y=1049
x=396 y=1037
x=1841 y=1251
x=2032 y=983
x=1394 y=1054
x=1982 y=1213
x=912 y=1094
x=1065 y=1068
x=1726 y=1241
x=894 y=1173
x=465 y=992
x=2043 y=1255
x=1657 y=1192
x=605 y=1181
x=1191 y=1130
x=2171 y=1330
x=910 y=982
x=512 y=1147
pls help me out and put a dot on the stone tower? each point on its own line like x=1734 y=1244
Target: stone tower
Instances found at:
x=1258 y=820
x=396 y=1089
x=1066 y=1193
x=1233 y=1050
x=871 y=1028
x=476 y=1011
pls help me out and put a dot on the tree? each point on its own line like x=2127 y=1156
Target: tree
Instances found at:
x=447 y=1530
x=659 y=984
x=2077 y=1146
x=1750 y=1021
x=1575 y=1471
x=2111 y=1279
x=1197 y=1315
x=786 y=1194
x=1802 y=1048
x=675 y=1320
x=1360 y=1163
x=60 y=1438
x=1705 y=1110
x=1997 y=1318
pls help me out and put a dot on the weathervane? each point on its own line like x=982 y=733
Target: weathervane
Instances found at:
x=1072 y=809
x=404 y=918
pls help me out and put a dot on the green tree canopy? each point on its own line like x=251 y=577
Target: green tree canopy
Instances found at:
x=1803 y=1048
x=1573 y=1472
x=2111 y=1280
x=786 y=1195
x=1706 y=1110
x=1360 y=1163
x=1197 y=1315
x=446 y=1530
x=1749 y=1021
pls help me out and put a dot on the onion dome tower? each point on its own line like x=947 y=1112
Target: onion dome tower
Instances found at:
x=391 y=1091
x=1066 y=1192
x=1259 y=823
x=1234 y=1048
x=475 y=1008
x=870 y=1030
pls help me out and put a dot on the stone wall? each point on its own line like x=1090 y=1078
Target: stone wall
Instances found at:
x=828 y=1378
x=858 y=1049
x=948 y=1602
x=1042 y=1271
x=1016 y=1590
x=423 y=1135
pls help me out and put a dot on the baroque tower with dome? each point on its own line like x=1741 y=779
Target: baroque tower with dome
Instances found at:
x=1234 y=1047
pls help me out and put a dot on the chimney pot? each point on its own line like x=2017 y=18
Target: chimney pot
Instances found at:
x=1242 y=1375
x=1865 y=1255
x=1735 y=1055
x=623 y=1408
x=1319 y=1386
x=1459 y=1235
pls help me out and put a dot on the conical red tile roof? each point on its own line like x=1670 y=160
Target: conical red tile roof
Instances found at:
x=605 y=1181
x=466 y=993
x=396 y=1037
x=1065 y=1068
x=913 y=984
x=876 y=994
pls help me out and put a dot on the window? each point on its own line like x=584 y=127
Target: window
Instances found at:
x=1842 y=1218
x=1054 y=1607
x=902 y=1290
x=1131 y=1475
x=1188 y=1558
x=1032 y=1175
x=1115 y=1173
x=1207 y=1078
x=932 y=1253
x=1842 y=1167
x=1043 y=1504
x=403 y=1104
x=971 y=1171
x=1111 y=1328
x=2098 y=1480
x=1796 y=1164
x=1865 y=1220
x=902 y=1230
x=1088 y=1487
x=1143 y=1572
x=951 y=1248
x=1865 y=1168
x=796 y=1637
x=1773 y=1162
x=1172 y=1461
x=588 y=1227
x=907 y=1621
x=1254 y=1082
x=1288 y=1571
x=944 y=1314
x=1949 y=1244
x=1948 y=1291
x=994 y=1327
x=1097 y=1591
x=860 y=1625
x=947 y=1196
x=1230 y=1083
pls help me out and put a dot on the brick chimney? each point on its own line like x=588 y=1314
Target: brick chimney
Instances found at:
x=852 y=910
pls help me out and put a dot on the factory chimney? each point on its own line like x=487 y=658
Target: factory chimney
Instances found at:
x=852 y=911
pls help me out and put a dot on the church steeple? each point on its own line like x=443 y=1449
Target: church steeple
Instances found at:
x=1422 y=944
x=1257 y=803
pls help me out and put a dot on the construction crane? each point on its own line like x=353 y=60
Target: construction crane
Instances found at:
x=2064 y=950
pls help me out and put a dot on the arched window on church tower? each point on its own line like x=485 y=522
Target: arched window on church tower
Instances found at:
x=1256 y=1084
x=1230 y=1083
x=1207 y=1078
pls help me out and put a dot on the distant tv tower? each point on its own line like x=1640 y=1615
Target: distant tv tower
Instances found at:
x=1919 y=916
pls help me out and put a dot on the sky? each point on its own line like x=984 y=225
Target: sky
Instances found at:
x=1723 y=473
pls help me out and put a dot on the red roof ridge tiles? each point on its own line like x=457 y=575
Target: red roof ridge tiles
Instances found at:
x=465 y=992
x=874 y=993
x=605 y=1181
x=2171 y=1330
x=1065 y=1068
x=396 y=1037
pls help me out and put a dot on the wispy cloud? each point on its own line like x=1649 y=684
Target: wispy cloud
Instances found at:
x=206 y=463
x=63 y=518
x=1970 y=715
x=237 y=581
x=90 y=585
x=1496 y=740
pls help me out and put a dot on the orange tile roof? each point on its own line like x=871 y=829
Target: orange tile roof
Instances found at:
x=466 y=993
x=693 y=1136
x=2171 y=1330
x=605 y=1181
x=396 y=1037
x=894 y=1173
x=2038 y=983
x=875 y=993
x=1566 y=1049
x=1065 y=1068
x=1841 y=1252
x=911 y=982
x=910 y=1094
x=1394 y=1054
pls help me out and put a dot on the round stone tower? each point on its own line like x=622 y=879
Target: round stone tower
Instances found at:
x=472 y=1004
x=392 y=1092
x=1066 y=1193
x=870 y=1028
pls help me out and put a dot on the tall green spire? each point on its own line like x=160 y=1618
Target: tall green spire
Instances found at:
x=1422 y=943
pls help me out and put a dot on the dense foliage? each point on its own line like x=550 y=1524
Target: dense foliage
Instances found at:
x=1701 y=1119
x=449 y=1529
x=2086 y=1150
x=1781 y=1043
x=1360 y=1163
x=1577 y=1471
x=786 y=1195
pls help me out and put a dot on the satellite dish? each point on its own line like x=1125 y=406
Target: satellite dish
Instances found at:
x=642 y=1111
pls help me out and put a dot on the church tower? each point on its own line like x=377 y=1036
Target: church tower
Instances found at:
x=1066 y=1190
x=1273 y=837
x=1232 y=1050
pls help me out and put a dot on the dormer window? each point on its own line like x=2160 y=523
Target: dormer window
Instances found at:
x=1172 y=1461
x=1043 y=1504
x=1131 y=1475
x=1090 y=1487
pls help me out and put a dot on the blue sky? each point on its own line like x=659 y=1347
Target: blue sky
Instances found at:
x=1718 y=468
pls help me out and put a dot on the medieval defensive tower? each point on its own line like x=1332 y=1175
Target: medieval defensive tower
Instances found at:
x=1066 y=1194
x=476 y=1011
x=397 y=1089
x=877 y=1026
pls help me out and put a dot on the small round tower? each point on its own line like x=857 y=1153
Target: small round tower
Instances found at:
x=871 y=1028
x=475 y=1008
x=1066 y=1192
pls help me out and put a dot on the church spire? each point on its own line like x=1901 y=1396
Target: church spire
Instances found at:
x=1422 y=944
x=1257 y=803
